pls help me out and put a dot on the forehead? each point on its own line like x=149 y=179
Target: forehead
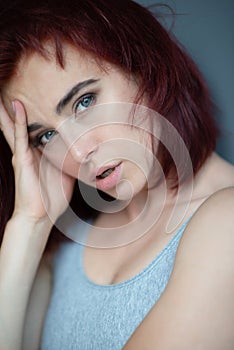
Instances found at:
x=35 y=72
x=39 y=82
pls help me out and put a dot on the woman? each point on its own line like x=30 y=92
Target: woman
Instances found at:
x=98 y=91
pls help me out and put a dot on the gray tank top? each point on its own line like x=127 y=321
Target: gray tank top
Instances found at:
x=83 y=315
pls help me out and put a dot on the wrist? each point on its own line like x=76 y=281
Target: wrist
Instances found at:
x=27 y=234
x=23 y=245
x=30 y=221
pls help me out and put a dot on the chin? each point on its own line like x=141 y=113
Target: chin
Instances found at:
x=127 y=190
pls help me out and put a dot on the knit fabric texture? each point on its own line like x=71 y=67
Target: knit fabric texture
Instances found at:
x=83 y=315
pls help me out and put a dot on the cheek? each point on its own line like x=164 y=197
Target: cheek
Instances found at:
x=64 y=162
x=70 y=166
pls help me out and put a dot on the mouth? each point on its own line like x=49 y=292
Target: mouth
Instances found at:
x=108 y=177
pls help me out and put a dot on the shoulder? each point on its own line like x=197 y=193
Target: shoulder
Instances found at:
x=217 y=179
x=197 y=302
x=214 y=219
x=220 y=203
x=209 y=236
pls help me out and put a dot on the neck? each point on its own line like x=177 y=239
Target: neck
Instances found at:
x=149 y=201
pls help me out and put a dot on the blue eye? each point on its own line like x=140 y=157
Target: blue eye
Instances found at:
x=43 y=139
x=84 y=102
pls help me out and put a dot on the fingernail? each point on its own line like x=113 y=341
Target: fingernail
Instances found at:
x=13 y=106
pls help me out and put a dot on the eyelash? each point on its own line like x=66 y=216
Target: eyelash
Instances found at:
x=37 y=141
x=81 y=99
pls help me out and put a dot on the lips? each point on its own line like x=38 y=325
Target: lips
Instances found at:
x=105 y=173
x=108 y=177
x=108 y=168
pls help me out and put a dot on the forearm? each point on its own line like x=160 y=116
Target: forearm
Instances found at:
x=22 y=248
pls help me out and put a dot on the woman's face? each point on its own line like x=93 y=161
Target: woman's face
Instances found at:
x=80 y=117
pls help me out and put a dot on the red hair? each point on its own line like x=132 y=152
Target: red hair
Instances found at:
x=125 y=34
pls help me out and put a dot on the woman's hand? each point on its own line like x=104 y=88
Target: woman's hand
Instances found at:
x=41 y=190
x=42 y=193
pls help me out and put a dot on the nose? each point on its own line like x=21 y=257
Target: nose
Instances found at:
x=82 y=151
x=81 y=147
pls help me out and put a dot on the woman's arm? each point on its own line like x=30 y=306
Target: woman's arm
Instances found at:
x=27 y=232
x=20 y=255
x=38 y=304
x=196 y=309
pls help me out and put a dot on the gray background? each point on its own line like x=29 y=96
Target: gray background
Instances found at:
x=206 y=30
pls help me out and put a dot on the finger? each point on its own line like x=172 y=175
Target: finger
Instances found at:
x=6 y=125
x=21 y=133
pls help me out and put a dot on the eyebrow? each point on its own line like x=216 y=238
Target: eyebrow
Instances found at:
x=74 y=90
x=64 y=101
x=33 y=127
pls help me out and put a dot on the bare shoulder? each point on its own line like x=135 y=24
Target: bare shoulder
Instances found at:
x=196 y=308
x=38 y=305
x=209 y=237
x=220 y=205
x=221 y=201
x=214 y=220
